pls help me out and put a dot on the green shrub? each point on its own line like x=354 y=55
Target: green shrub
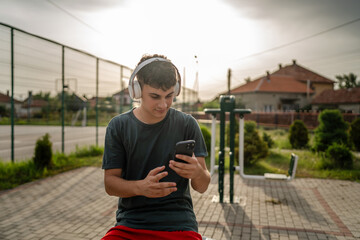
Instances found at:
x=268 y=140
x=207 y=137
x=339 y=156
x=60 y=159
x=254 y=147
x=332 y=129
x=355 y=133
x=43 y=152
x=88 y=151
x=298 y=135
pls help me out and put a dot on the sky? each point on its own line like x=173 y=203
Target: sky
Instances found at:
x=248 y=37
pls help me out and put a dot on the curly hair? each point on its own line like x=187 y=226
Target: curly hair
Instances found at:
x=158 y=74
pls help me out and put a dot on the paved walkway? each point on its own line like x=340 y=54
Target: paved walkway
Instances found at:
x=74 y=205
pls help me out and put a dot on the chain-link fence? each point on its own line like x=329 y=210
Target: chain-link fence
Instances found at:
x=47 y=87
x=46 y=83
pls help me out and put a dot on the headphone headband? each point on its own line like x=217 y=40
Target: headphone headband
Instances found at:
x=144 y=63
x=134 y=86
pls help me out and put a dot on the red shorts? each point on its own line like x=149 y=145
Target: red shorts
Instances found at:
x=126 y=233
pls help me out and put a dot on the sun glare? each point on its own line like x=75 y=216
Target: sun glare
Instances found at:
x=213 y=31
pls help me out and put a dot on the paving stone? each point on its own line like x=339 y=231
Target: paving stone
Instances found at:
x=70 y=204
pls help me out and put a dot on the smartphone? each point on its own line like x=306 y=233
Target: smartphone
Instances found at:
x=184 y=148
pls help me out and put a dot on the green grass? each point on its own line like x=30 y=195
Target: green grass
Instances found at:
x=14 y=174
x=310 y=164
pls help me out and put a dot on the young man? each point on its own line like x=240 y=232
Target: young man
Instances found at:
x=153 y=188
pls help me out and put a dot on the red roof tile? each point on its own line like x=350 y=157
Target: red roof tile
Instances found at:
x=338 y=96
x=36 y=103
x=273 y=83
x=7 y=99
x=302 y=74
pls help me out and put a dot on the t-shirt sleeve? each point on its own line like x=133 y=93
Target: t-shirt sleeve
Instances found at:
x=114 y=151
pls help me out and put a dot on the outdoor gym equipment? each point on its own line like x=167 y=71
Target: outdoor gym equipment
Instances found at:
x=227 y=104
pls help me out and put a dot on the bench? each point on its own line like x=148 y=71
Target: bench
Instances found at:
x=291 y=171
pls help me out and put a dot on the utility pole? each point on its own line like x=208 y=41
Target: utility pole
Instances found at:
x=196 y=83
x=229 y=80
x=183 y=92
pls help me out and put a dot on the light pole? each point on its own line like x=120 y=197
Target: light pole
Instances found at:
x=196 y=83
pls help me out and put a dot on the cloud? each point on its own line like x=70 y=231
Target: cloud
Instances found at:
x=288 y=10
x=90 y=5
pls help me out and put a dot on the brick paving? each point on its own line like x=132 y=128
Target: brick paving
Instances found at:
x=74 y=205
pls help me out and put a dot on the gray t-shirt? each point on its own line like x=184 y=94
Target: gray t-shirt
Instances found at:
x=137 y=148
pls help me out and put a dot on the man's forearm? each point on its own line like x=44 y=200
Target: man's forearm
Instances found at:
x=149 y=187
x=201 y=183
x=119 y=187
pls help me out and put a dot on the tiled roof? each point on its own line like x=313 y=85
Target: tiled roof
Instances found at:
x=273 y=83
x=7 y=99
x=302 y=74
x=291 y=79
x=36 y=103
x=338 y=96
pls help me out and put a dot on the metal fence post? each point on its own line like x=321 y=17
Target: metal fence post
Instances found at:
x=222 y=156
x=232 y=154
x=63 y=101
x=12 y=96
x=97 y=101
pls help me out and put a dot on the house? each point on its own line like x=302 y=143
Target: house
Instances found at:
x=122 y=97
x=317 y=82
x=35 y=106
x=289 y=88
x=5 y=101
x=347 y=100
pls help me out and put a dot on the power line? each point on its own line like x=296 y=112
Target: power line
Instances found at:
x=299 y=40
x=73 y=16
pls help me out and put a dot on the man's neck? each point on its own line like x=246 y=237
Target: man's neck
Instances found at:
x=144 y=117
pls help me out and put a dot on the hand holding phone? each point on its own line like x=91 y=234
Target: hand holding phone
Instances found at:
x=184 y=148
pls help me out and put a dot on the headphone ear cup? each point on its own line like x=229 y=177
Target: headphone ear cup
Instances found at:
x=177 y=89
x=136 y=89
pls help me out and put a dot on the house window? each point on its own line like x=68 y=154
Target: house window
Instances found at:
x=268 y=108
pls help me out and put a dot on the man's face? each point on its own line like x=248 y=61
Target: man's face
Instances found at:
x=156 y=102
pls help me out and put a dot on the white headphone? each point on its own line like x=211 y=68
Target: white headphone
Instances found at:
x=134 y=85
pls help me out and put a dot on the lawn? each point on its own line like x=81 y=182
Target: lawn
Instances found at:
x=14 y=174
x=309 y=164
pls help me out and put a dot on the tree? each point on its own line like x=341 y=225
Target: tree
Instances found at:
x=212 y=104
x=347 y=81
x=254 y=147
x=355 y=133
x=332 y=129
x=339 y=156
x=43 y=152
x=298 y=134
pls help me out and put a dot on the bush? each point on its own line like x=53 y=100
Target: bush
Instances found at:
x=339 y=156
x=268 y=140
x=207 y=137
x=3 y=111
x=88 y=151
x=355 y=133
x=332 y=129
x=298 y=135
x=43 y=152
x=254 y=147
